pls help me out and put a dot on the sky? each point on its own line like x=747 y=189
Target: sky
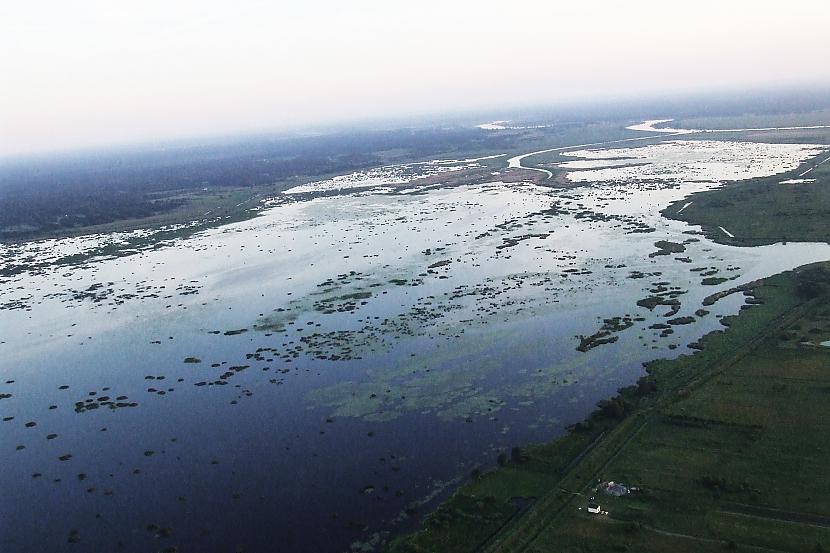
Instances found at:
x=88 y=73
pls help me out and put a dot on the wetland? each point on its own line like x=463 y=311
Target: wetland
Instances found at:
x=325 y=369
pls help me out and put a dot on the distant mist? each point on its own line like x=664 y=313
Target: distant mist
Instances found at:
x=92 y=73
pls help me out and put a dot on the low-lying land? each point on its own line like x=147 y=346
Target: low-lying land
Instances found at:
x=725 y=449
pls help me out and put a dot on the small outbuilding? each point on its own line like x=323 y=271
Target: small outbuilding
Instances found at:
x=594 y=508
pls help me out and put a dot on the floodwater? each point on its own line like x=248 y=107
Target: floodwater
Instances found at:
x=316 y=378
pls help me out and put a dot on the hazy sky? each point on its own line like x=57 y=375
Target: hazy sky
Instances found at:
x=76 y=73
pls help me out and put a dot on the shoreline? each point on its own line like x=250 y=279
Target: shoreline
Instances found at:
x=571 y=463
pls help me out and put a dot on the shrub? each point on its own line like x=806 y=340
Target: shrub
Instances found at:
x=517 y=455
x=614 y=408
x=812 y=282
x=646 y=385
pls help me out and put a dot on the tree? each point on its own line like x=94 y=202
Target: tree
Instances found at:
x=517 y=455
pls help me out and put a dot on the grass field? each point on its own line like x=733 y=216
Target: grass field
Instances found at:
x=738 y=459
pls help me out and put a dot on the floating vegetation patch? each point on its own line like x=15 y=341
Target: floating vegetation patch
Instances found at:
x=606 y=334
x=342 y=304
x=666 y=247
x=653 y=301
x=103 y=401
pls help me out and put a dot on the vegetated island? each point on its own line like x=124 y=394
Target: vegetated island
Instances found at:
x=724 y=449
